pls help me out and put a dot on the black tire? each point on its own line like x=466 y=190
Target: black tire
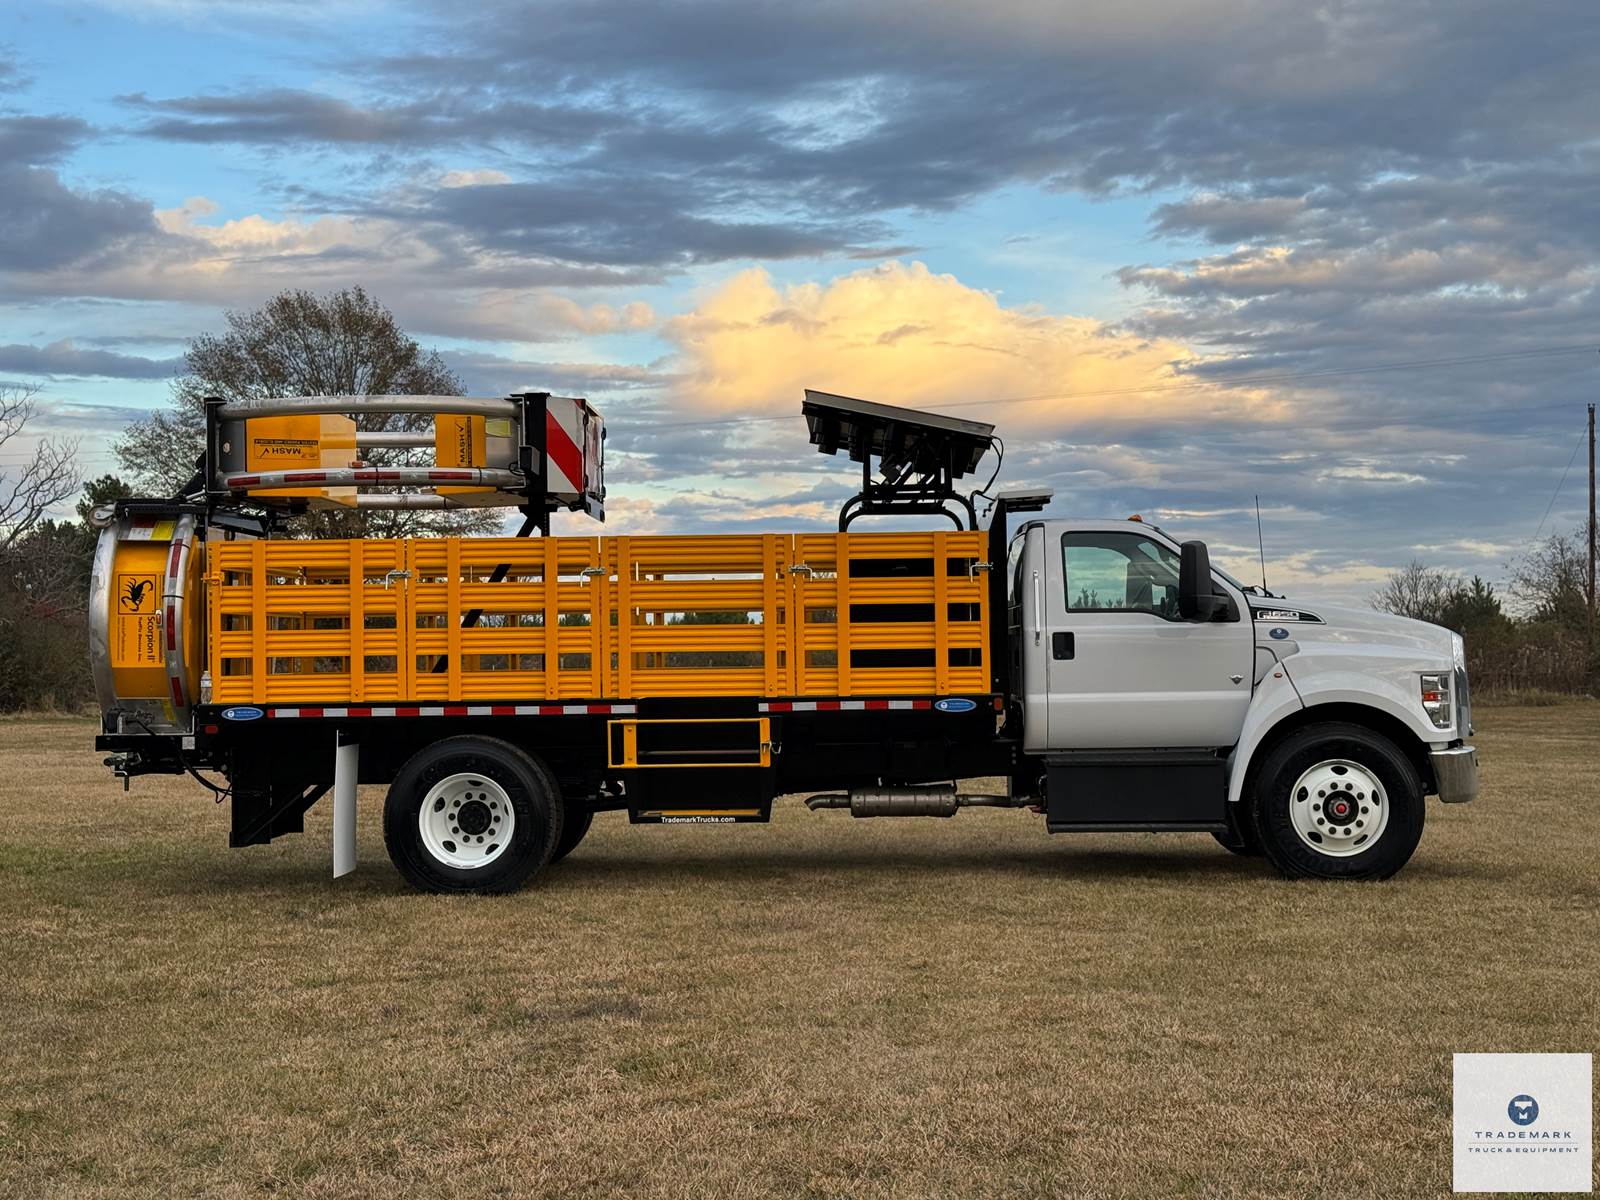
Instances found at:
x=1304 y=749
x=573 y=826
x=529 y=788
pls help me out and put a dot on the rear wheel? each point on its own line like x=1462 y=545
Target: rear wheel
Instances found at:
x=472 y=814
x=1337 y=801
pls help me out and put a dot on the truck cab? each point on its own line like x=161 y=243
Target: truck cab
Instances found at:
x=1155 y=691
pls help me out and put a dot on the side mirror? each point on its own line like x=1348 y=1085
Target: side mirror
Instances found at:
x=1196 y=601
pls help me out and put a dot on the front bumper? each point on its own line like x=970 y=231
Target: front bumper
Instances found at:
x=1456 y=772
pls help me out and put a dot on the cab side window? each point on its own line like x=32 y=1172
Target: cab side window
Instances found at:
x=1119 y=572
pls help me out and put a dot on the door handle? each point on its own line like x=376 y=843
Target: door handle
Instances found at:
x=1038 y=611
x=1063 y=645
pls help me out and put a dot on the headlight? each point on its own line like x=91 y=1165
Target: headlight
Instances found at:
x=1436 y=698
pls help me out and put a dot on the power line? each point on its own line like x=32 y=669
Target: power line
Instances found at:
x=1554 y=496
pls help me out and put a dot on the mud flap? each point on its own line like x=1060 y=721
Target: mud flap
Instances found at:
x=346 y=771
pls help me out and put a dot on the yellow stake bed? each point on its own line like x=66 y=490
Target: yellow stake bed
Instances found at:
x=765 y=615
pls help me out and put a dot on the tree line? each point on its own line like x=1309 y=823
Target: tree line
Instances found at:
x=1543 y=641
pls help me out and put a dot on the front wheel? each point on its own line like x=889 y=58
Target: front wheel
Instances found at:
x=471 y=814
x=1337 y=801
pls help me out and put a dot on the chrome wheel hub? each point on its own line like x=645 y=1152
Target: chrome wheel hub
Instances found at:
x=1338 y=808
x=466 y=821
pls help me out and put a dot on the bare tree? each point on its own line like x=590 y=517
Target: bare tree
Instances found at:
x=300 y=344
x=1548 y=581
x=1419 y=591
x=48 y=474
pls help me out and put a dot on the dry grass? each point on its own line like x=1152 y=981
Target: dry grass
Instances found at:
x=823 y=1007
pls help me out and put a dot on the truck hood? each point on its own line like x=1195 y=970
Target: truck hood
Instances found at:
x=1328 y=623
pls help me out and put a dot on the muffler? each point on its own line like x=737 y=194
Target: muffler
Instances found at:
x=907 y=802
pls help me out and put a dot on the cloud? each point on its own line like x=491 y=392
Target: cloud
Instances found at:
x=65 y=358
x=278 y=116
x=230 y=14
x=44 y=224
x=11 y=77
x=1367 y=472
x=36 y=140
x=477 y=178
x=902 y=334
x=493 y=374
x=435 y=285
x=651 y=222
x=1228 y=218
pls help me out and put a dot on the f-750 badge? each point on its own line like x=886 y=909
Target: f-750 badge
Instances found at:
x=1284 y=614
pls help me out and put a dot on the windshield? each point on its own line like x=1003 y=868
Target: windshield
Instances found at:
x=1242 y=587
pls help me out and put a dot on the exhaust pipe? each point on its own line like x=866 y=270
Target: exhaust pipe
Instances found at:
x=907 y=802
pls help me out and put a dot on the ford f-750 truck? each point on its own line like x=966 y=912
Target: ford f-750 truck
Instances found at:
x=507 y=689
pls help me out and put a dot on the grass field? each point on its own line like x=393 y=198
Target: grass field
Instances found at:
x=820 y=1007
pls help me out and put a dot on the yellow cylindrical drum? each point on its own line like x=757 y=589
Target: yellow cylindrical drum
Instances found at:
x=145 y=618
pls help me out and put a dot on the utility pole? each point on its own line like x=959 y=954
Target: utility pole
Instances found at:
x=1591 y=520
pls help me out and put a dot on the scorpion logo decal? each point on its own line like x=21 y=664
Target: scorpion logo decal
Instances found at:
x=133 y=593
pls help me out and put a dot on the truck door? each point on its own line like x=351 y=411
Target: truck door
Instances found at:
x=1123 y=670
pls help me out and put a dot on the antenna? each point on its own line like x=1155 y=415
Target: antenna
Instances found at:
x=1262 y=545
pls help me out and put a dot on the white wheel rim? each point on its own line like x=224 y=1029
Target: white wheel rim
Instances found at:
x=1339 y=808
x=466 y=821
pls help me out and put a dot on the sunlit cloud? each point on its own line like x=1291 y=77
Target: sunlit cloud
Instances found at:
x=902 y=334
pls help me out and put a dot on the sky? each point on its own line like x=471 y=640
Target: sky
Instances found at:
x=1341 y=256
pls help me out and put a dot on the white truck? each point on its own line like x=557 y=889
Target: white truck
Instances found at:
x=507 y=689
x=1160 y=692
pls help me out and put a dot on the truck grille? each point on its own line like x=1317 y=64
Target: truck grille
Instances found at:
x=1463 y=704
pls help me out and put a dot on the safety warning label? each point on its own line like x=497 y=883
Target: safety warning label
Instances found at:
x=138 y=624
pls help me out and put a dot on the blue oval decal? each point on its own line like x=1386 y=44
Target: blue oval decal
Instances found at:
x=957 y=704
x=1278 y=632
x=242 y=713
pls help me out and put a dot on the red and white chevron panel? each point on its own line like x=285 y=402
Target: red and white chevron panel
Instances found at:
x=564 y=440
